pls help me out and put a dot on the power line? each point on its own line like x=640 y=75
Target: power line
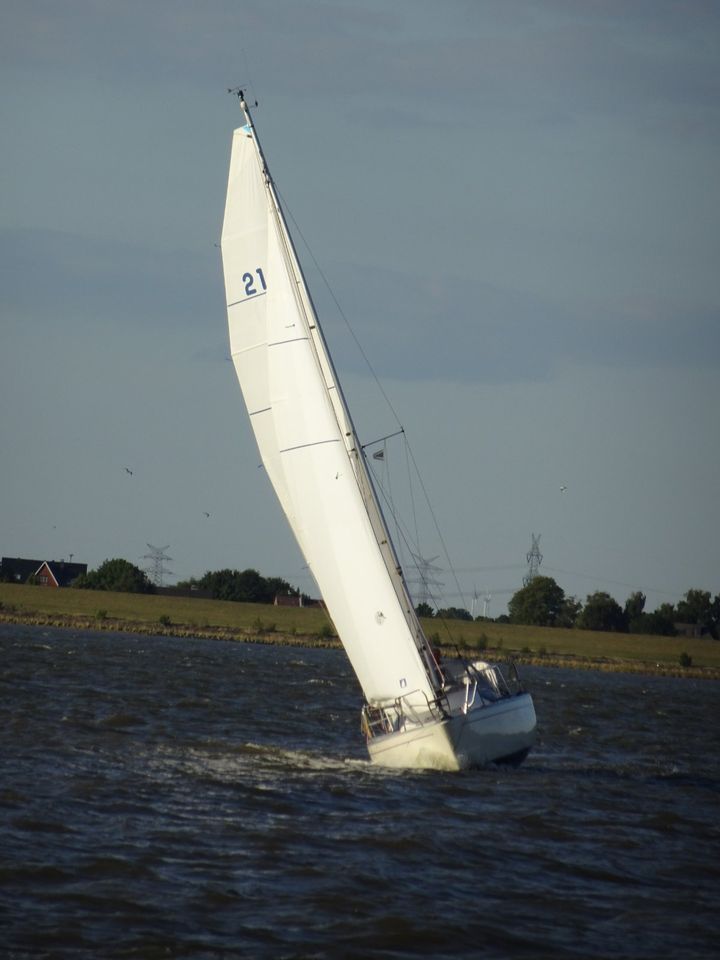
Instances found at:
x=618 y=583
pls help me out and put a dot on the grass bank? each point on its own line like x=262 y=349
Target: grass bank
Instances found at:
x=254 y=622
x=151 y=613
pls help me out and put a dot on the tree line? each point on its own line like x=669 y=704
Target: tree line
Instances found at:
x=542 y=603
x=244 y=586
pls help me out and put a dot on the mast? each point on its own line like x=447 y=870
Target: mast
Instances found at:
x=342 y=415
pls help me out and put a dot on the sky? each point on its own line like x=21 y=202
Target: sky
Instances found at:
x=515 y=204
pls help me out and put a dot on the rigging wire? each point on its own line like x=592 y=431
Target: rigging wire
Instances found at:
x=437 y=525
x=394 y=513
x=340 y=310
x=380 y=387
x=412 y=498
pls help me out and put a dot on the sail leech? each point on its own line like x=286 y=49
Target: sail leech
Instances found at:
x=339 y=526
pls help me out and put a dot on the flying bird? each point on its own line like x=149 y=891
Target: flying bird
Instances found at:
x=128 y=470
x=206 y=513
x=563 y=489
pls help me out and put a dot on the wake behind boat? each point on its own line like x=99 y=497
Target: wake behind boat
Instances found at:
x=419 y=713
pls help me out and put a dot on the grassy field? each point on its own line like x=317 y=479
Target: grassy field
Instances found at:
x=251 y=621
x=148 y=609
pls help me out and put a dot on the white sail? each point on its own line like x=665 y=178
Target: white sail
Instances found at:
x=307 y=441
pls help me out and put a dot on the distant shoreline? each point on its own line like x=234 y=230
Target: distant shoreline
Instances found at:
x=277 y=638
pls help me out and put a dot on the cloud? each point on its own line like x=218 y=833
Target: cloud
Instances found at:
x=63 y=276
x=523 y=197
x=417 y=328
x=567 y=58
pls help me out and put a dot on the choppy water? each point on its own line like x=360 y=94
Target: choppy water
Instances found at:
x=177 y=798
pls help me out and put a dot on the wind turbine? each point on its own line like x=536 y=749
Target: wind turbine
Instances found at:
x=486 y=603
x=475 y=598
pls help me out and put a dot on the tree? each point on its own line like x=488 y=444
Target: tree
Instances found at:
x=602 y=612
x=119 y=575
x=697 y=607
x=657 y=623
x=634 y=606
x=220 y=583
x=424 y=610
x=276 y=585
x=247 y=586
x=569 y=612
x=540 y=603
x=453 y=613
x=660 y=622
x=252 y=587
x=668 y=611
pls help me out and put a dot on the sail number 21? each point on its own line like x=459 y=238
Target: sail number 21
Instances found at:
x=250 y=282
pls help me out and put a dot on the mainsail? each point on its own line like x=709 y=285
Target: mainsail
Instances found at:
x=307 y=441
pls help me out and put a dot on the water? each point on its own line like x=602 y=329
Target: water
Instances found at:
x=165 y=798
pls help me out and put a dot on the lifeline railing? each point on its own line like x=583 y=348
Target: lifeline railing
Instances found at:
x=391 y=717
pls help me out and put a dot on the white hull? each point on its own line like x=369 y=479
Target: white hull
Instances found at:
x=502 y=731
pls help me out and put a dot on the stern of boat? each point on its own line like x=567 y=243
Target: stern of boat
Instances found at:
x=480 y=719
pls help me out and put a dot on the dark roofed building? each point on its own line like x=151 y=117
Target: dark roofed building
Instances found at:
x=58 y=573
x=294 y=600
x=47 y=573
x=17 y=569
x=288 y=600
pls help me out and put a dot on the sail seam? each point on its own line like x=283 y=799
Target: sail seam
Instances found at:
x=280 y=343
x=253 y=346
x=315 y=443
x=245 y=299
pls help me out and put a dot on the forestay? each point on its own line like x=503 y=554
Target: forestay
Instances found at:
x=307 y=442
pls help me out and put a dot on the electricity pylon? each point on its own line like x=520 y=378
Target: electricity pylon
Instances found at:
x=534 y=559
x=156 y=569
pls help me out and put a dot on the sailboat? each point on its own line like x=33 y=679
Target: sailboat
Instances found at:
x=419 y=712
